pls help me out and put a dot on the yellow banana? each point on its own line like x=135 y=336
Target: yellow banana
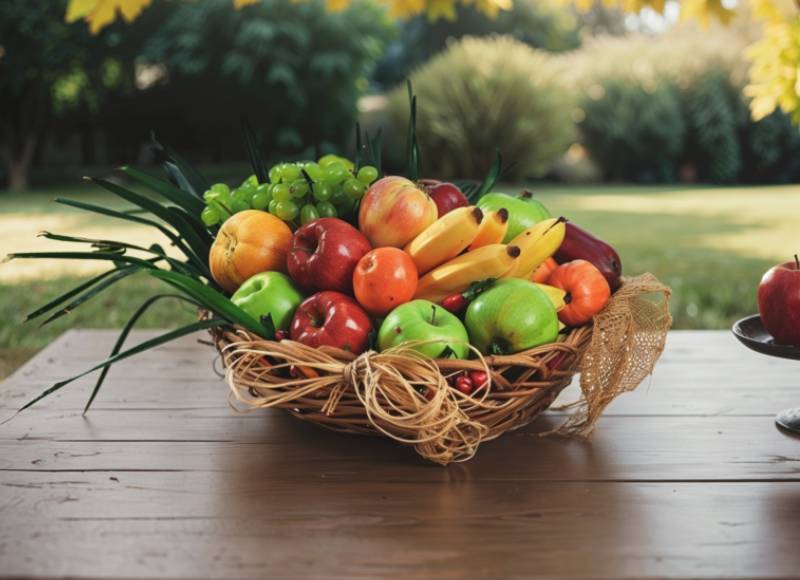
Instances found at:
x=556 y=295
x=492 y=229
x=490 y=261
x=445 y=238
x=536 y=244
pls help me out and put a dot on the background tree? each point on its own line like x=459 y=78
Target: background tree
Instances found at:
x=38 y=51
x=775 y=70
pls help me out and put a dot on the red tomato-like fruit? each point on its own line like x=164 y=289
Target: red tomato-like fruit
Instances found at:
x=587 y=291
x=383 y=279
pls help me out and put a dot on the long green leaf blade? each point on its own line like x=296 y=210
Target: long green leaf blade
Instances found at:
x=123 y=335
x=97 y=289
x=107 y=256
x=146 y=345
x=167 y=214
x=213 y=300
x=254 y=153
x=488 y=181
x=200 y=269
x=413 y=156
x=178 y=168
x=166 y=190
x=176 y=240
x=69 y=294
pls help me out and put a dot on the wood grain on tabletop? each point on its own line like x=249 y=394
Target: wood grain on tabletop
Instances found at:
x=685 y=477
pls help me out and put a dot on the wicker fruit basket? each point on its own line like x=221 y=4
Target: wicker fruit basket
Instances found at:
x=400 y=394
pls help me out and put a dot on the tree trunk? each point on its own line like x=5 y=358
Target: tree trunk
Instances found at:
x=18 y=163
x=20 y=131
x=17 y=175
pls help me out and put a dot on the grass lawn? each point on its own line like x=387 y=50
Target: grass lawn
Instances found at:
x=711 y=244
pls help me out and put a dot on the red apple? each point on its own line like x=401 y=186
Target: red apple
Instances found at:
x=324 y=253
x=446 y=196
x=331 y=319
x=779 y=302
x=393 y=211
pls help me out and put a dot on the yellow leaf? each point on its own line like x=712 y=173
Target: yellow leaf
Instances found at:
x=762 y=107
x=79 y=9
x=242 y=3
x=405 y=9
x=131 y=9
x=336 y=5
x=441 y=9
x=492 y=7
x=103 y=15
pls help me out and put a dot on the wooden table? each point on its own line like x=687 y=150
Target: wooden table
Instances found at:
x=685 y=477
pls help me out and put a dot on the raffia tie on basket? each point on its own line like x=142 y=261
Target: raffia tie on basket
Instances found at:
x=339 y=390
x=386 y=385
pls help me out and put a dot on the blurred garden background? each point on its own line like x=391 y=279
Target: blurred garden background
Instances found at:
x=665 y=128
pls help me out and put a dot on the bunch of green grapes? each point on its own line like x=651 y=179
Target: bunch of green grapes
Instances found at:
x=329 y=187
x=307 y=190
x=222 y=202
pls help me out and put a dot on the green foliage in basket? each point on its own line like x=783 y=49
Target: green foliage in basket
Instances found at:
x=485 y=94
x=172 y=208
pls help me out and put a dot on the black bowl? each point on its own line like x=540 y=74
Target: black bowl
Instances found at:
x=751 y=332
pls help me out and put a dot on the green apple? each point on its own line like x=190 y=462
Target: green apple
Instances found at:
x=511 y=316
x=421 y=320
x=524 y=210
x=269 y=294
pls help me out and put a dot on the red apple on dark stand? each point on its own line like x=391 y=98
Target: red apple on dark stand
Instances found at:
x=331 y=319
x=324 y=253
x=446 y=196
x=779 y=302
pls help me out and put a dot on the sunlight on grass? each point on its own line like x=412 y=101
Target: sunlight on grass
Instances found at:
x=25 y=215
x=766 y=217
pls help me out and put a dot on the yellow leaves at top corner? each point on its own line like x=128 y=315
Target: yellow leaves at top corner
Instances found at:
x=101 y=13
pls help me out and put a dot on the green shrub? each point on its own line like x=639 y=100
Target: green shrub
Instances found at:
x=771 y=150
x=694 y=125
x=633 y=130
x=538 y=24
x=482 y=94
x=711 y=105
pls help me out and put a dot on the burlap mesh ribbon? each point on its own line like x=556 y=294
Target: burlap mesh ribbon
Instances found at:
x=628 y=338
x=403 y=395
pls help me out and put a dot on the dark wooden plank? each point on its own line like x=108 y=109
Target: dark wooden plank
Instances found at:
x=625 y=448
x=218 y=525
